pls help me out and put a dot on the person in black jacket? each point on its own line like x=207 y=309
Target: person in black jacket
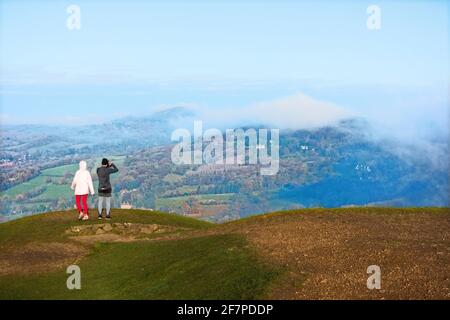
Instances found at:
x=104 y=186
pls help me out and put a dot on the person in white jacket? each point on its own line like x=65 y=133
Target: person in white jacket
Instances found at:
x=82 y=184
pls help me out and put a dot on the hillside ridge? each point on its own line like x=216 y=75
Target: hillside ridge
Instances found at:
x=297 y=254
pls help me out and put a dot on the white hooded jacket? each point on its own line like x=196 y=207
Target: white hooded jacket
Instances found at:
x=82 y=182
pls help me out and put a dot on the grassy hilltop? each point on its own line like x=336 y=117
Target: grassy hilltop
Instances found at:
x=299 y=254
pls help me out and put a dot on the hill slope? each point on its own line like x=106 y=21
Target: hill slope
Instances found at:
x=333 y=166
x=301 y=254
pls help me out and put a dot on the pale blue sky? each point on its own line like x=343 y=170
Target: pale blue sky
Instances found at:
x=132 y=56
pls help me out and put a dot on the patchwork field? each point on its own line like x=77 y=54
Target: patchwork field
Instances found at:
x=52 y=185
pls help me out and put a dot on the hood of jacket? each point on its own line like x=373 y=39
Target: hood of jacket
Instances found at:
x=83 y=165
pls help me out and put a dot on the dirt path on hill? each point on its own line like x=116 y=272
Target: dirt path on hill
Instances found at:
x=327 y=254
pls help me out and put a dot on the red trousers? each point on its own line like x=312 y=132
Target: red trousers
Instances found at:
x=82 y=200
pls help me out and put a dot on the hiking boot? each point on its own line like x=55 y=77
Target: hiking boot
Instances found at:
x=99 y=217
x=80 y=216
x=108 y=218
x=85 y=217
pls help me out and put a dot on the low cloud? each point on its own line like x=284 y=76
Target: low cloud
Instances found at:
x=294 y=112
x=412 y=132
x=298 y=112
x=61 y=120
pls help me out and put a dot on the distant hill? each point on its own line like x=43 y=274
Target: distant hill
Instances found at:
x=334 y=166
x=326 y=167
x=297 y=254
x=118 y=136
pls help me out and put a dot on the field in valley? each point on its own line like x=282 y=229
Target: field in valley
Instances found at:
x=49 y=187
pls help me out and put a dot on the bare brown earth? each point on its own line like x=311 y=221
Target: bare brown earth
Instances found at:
x=117 y=232
x=325 y=252
x=37 y=257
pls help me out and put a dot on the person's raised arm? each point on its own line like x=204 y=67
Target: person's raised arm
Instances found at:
x=112 y=168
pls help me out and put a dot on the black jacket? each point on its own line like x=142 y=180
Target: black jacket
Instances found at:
x=104 y=185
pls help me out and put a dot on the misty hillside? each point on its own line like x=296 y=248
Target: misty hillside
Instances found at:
x=331 y=166
x=117 y=136
x=326 y=167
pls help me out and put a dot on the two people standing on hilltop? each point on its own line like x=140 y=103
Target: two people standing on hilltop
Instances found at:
x=82 y=185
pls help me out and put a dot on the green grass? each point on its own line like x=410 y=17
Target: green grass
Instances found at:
x=204 y=267
x=25 y=186
x=52 y=191
x=51 y=226
x=385 y=212
x=55 y=191
x=211 y=267
x=61 y=170
x=178 y=201
x=216 y=264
